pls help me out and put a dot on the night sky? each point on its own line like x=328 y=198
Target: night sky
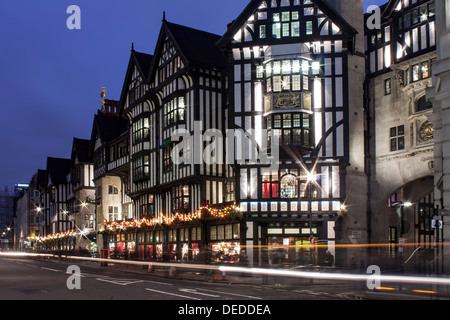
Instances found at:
x=51 y=77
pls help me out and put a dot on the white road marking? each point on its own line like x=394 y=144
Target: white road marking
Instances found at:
x=121 y=282
x=231 y=294
x=157 y=282
x=199 y=293
x=172 y=294
x=51 y=269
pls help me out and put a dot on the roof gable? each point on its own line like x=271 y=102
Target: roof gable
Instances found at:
x=57 y=170
x=107 y=127
x=254 y=5
x=140 y=61
x=80 y=150
x=198 y=47
x=194 y=46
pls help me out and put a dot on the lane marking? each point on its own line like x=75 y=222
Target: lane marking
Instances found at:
x=172 y=294
x=161 y=283
x=120 y=282
x=232 y=294
x=54 y=270
x=193 y=291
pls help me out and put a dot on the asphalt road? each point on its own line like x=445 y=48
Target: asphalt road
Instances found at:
x=36 y=279
x=28 y=279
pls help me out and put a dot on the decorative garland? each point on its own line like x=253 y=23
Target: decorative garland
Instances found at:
x=59 y=236
x=204 y=212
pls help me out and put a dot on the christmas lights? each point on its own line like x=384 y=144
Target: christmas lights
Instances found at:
x=204 y=212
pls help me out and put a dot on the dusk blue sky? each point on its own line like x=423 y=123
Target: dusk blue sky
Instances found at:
x=51 y=77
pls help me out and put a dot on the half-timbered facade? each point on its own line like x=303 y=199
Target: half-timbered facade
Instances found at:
x=81 y=194
x=55 y=198
x=183 y=85
x=288 y=74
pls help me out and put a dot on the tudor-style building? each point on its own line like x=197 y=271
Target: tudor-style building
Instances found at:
x=55 y=211
x=80 y=195
x=283 y=66
x=183 y=84
x=293 y=69
x=400 y=56
x=181 y=87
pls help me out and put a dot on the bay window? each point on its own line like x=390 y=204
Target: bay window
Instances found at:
x=174 y=112
x=141 y=128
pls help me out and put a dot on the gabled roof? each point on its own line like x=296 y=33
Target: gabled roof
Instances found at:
x=142 y=61
x=108 y=126
x=323 y=5
x=38 y=179
x=195 y=47
x=80 y=149
x=57 y=170
x=198 y=47
x=40 y=183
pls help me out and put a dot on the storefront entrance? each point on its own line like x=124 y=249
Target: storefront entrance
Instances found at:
x=293 y=251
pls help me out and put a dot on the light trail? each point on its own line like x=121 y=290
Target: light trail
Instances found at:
x=337 y=276
x=260 y=271
x=356 y=245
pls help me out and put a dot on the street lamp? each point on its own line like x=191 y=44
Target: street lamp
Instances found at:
x=403 y=205
x=311 y=178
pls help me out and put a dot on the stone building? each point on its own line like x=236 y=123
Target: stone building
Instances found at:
x=400 y=138
x=439 y=94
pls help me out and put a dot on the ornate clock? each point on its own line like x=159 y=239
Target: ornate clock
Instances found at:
x=426 y=131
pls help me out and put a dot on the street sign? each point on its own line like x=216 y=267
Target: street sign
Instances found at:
x=436 y=223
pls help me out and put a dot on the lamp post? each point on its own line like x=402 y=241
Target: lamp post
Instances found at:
x=311 y=178
x=402 y=216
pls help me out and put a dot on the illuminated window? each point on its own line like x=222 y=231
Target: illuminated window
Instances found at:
x=180 y=198
x=295 y=29
x=174 y=111
x=289 y=187
x=141 y=130
x=309 y=29
x=416 y=73
x=296 y=83
x=262 y=32
x=270 y=184
x=276 y=30
x=425 y=70
x=388 y=86
x=277 y=84
x=309 y=11
x=141 y=167
x=291 y=128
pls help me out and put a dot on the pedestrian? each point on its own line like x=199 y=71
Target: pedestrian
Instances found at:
x=243 y=259
x=329 y=259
